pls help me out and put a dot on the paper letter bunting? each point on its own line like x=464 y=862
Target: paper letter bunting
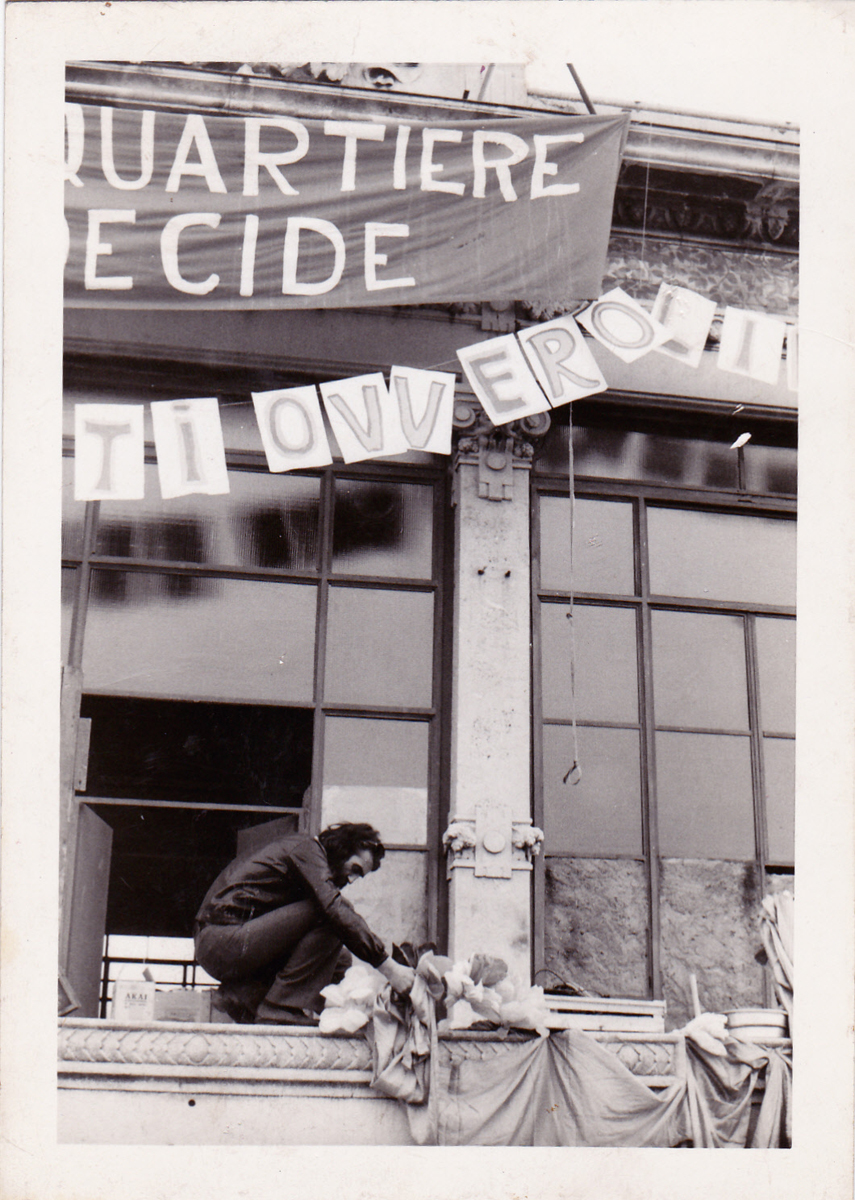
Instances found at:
x=190 y=452
x=292 y=428
x=425 y=401
x=687 y=316
x=501 y=379
x=364 y=419
x=564 y=366
x=751 y=344
x=623 y=326
x=109 y=452
x=513 y=376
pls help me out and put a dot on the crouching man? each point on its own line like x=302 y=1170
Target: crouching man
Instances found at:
x=273 y=923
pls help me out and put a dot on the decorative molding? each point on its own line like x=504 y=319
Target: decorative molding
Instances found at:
x=496 y=450
x=464 y=844
x=767 y=283
x=103 y=1048
x=708 y=208
x=642 y=1057
x=177 y=1044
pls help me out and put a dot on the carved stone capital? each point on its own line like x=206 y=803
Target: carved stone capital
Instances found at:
x=497 y=450
x=477 y=842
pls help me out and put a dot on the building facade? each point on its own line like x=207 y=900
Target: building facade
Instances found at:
x=580 y=623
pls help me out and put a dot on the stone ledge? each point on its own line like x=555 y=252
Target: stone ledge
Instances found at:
x=96 y=1054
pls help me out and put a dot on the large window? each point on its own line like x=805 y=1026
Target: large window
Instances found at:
x=255 y=662
x=664 y=630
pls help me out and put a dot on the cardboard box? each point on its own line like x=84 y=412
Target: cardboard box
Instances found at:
x=183 y=1004
x=133 y=1000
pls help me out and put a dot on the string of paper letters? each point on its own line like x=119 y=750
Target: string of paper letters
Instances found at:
x=513 y=376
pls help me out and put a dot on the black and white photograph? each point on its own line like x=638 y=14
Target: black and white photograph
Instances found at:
x=417 y=724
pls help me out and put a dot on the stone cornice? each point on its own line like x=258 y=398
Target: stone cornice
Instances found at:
x=672 y=141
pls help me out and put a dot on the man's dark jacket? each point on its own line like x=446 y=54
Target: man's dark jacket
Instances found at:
x=283 y=872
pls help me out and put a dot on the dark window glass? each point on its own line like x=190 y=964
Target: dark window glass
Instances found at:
x=382 y=529
x=393 y=900
x=267 y=521
x=602 y=453
x=186 y=636
x=779 y=757
x=776 y=660
x=68 y=587
x=721 y=556
x=163 y=862
x=198 y=753
x=72 y=514
x=377 y=771
x=771 y=469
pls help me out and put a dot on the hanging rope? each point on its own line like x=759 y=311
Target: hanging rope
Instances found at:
x=644 y=213
x=574 y=771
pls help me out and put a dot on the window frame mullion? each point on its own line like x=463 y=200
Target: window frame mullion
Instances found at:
x=649 y=806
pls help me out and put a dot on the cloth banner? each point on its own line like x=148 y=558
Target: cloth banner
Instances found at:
x=777 y=929
x=192 y=211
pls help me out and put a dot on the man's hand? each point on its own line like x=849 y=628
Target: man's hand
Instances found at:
x=400 y=977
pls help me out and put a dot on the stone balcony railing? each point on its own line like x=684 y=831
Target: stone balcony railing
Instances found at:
x=182 y=1083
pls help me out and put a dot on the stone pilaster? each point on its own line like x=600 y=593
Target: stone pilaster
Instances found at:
x=489 y=856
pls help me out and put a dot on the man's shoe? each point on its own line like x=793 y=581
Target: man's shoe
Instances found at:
x=285 y=1016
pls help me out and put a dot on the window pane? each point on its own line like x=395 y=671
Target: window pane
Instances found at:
x=379 y=647
x=383 y=529
x=705 y=797
x=268 y=521
x=699 y=670
x=780 y=769
x=602 y=542
x=771 y=469
x=596 y=925
x=606 y=453
x=393 y=900
x=602 y=813
x=185 y=636
x=72 y=514
x=606 y=682
x=198 y=753
x=776 y=660
x=377 y=771
x=68 y=585
x=719 y=556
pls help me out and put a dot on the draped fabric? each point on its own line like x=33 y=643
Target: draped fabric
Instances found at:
x=565 y=1089
x=777 y=930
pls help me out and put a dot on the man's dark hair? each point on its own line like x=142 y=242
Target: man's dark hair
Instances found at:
x=342 y=840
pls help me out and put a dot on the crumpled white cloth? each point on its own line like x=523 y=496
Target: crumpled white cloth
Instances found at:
x=777 y=921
